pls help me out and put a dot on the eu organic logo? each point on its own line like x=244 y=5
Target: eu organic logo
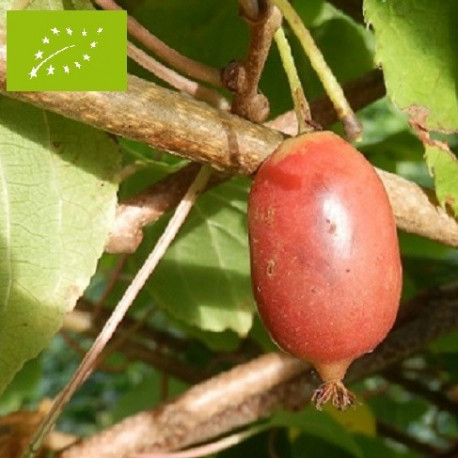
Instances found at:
x=66 y=50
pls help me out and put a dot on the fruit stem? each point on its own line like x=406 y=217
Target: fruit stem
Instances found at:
x=334 y=391
x=344 y=111
x=301 y=105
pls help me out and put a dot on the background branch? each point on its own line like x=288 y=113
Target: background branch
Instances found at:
x=258 y=388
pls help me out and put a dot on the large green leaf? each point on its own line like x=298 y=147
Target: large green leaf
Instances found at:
x=443 y=164
x=57 y=202
x=416 y=46
x=205 y=30
x=204 y=278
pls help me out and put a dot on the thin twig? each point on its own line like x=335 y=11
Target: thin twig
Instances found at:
x=327 y=78
x=301 y=105
x=111 y=283
x=242 y=78
x=173 y=58
x=175 y=79
x=118 y=342
x=88 y=363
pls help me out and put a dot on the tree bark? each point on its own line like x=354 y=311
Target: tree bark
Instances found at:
x=191 y=129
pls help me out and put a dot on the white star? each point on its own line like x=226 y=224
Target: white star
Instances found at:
x=93 y=44
x=86 y=57
x=50 y=70
x=33 y=73
x=84 y=33
x=45 y=40
x=39 y=55
x=100 y=30
x=55 y=31
x=66 y=69
x=77 y=64
x=69 y=30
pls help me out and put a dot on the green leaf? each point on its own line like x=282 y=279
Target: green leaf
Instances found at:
x=445 y=344
x=420 y=75
x=443 y=165
x=376 y=447
x=416 y=46
x=205 y=30
x=204 y=279
x=321 y=426
x=311 y=446
x=400 y=413
x=23 y=388
x=57 y=202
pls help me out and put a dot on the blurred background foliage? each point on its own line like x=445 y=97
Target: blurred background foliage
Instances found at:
x=196 y=316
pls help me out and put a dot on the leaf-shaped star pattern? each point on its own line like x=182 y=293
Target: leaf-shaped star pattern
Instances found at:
x=65 y=68
x=67 y=50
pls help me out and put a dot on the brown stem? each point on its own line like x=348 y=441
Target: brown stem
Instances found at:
x=155 y=116
x=192 y=68
x=174 y=425
x=256 y=389
x=176 y=80
x=360 y=92
x=111 y=283
x=242 y=78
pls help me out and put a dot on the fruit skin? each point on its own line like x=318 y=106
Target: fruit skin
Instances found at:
x=325 y=261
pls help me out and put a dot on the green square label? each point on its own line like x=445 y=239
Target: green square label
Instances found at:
x=66 y=50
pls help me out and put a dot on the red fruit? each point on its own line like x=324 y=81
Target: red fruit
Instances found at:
x=325 y=261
